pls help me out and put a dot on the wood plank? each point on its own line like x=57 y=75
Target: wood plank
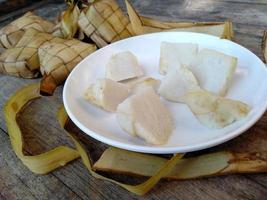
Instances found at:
x=76 y=177
x=48 y=9
x=204 y=10
x=73 y=180
x=17 y=182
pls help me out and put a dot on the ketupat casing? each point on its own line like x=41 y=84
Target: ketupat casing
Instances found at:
x=11 y=34
x=57 y=58
x=22 y=60
x=104 y=22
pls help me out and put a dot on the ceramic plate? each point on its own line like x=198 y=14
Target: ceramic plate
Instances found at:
x=249 y=85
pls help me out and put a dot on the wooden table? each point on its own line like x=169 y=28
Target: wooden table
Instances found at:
x=42 y=132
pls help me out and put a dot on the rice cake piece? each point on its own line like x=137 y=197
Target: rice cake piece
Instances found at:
x=177 y=83
x=214 y=70
x=173 y=54
x=123 y=66
x=107 y=94
x=138 y=84
x=214 y=111
x=144 y=115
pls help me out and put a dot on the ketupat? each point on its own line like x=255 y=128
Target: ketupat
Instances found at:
x=104 y=22
x=22 y=60
x=11 y=34
x=215 y=111
x=57 y=58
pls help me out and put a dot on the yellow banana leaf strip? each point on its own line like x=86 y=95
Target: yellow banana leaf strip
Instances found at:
x=11 y=34
x=42 y=163
x=22 y=60
x=141 y=25
x=140 y=189
x=213 y=164
x=57 y=58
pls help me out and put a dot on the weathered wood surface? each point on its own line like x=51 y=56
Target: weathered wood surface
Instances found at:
x=41 y=131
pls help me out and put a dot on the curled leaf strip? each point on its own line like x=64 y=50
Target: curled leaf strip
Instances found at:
x=61 y=155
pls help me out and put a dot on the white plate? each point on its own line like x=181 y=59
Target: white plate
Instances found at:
x=249 y=85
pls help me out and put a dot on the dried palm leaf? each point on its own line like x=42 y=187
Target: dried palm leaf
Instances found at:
x=68 y=25
x=42 y=163
x=264 y=46
x=11 y=34
x=57 y=58
x=103 y=21
x=59 y=156
x=22 y=60
x=142 y=25
x=213 y=164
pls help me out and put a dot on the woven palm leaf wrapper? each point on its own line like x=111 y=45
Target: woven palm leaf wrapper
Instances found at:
x=104 y=22
x=11 y=34
x=22 y=60
x=264 y=46
x=57 y=58
x=142 y=25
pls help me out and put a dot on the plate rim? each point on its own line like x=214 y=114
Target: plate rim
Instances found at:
x=160 y=149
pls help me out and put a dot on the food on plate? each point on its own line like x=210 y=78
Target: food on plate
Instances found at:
x=123 y=66
x=214 y=70
x=214 y=111
x=177 y=83
x=144 y=115
x=107 y=94
x=173 y=54
x=138 y=84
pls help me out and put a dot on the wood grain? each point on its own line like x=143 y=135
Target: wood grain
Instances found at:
x=42 y=132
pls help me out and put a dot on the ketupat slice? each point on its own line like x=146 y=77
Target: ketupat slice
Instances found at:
x=214 y=70
x=175 y=54
x=141 y=25
x=214 y=111
x=104 y=22
x=22 y=60
x=213 y=164
x=68 y=25
x=144 y=115
x=177 y=83
x=138 y=84
x=123 y=66
x=264 y=46
x=57 y=58
x=107 y=94
x=11 y=34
